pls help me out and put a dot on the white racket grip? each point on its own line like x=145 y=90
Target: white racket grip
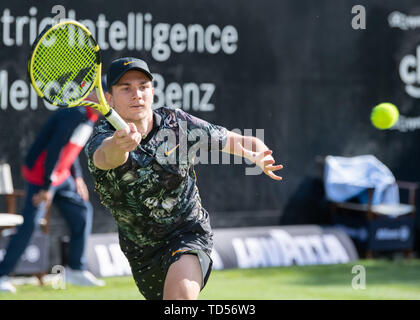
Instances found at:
x=117 y=122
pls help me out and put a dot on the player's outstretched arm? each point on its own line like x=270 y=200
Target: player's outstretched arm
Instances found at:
x=254 y=150
x=113 y=152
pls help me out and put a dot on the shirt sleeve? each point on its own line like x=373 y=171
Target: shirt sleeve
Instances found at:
x=59 y=136
x=76 y=169
x=95 y=141
x=215 y=135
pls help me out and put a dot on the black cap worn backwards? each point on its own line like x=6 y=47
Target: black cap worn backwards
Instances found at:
x=120 y=66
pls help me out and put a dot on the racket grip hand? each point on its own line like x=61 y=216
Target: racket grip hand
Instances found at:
x=127 y=140
x=117 y=122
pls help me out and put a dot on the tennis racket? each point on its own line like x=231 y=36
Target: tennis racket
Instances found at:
x=65 y=66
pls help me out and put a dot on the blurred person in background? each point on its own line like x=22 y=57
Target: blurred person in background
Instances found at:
x=53 y=175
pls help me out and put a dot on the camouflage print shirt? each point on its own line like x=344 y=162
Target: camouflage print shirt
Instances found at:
x=153 y=196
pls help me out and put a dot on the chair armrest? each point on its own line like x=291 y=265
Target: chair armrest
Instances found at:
x=407 y=184
x=11 y=199
x=15 y=193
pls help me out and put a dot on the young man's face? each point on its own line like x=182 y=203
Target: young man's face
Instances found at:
x=132 y=96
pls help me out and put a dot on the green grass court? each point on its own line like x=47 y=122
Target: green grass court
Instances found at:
x=385 y=279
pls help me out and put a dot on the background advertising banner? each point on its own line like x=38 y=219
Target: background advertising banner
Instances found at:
x=242 y=248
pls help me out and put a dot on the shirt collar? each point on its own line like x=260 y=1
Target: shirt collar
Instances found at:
x=157 y=119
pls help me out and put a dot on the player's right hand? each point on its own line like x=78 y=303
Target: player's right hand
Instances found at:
x=127 y=140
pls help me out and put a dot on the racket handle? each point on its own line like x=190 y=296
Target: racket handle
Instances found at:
x=117 y=122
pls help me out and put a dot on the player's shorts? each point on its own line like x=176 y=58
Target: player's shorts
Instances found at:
x=150 y=264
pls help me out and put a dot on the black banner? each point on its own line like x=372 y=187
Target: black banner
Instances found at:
x=35 y=258
x=381 y=234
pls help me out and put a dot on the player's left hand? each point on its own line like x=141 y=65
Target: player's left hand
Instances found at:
x=265 y=161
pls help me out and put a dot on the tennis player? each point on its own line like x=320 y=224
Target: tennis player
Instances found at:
x=163 y=229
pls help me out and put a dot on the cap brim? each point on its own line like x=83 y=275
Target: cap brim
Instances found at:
x=147 y=73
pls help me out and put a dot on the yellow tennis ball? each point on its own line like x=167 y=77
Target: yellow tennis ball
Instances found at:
x=384 y=115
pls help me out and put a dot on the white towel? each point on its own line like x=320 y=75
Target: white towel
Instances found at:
x=345 y=178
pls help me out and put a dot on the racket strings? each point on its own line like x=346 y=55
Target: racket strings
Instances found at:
x=86 y=74
x=76 y=51
x=65 y=64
